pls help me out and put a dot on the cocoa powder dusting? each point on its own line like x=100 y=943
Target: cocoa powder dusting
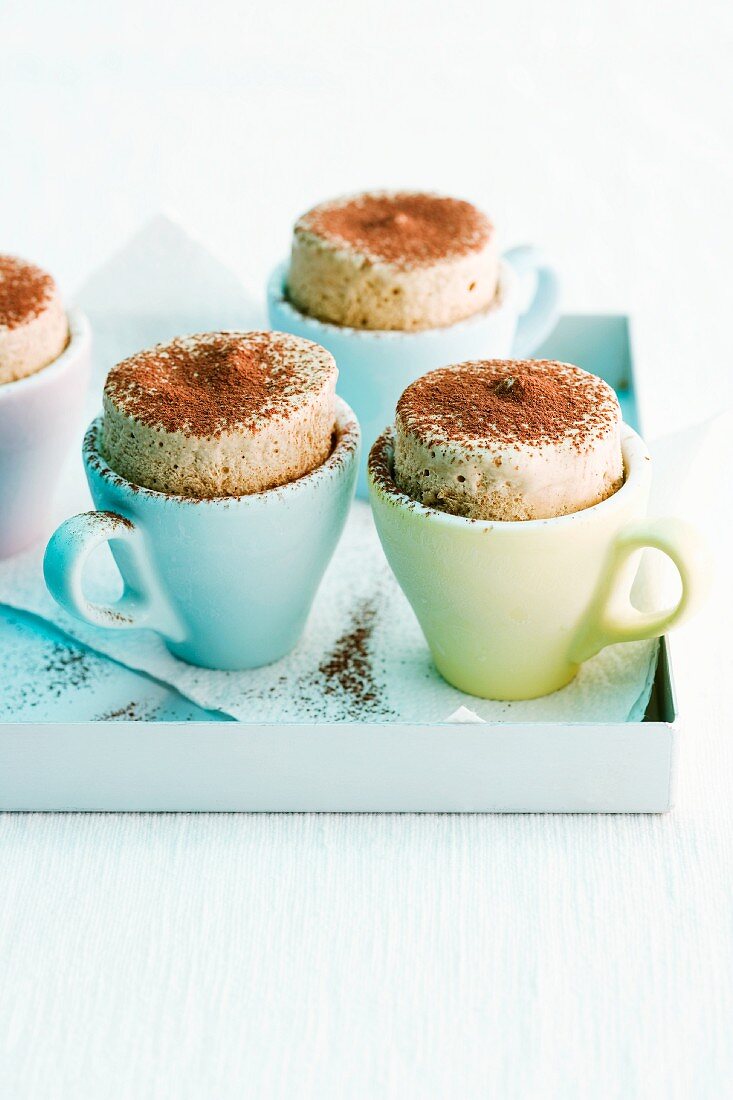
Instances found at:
x=347 y=670
x=403 y=228
x=112 y=519
x=133 y=711
x=206 y=384
x=65 y=668
x=381 y=471
x=25 y=290
x=531 y=402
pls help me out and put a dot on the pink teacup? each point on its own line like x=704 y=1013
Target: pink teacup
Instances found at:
x=40 y=417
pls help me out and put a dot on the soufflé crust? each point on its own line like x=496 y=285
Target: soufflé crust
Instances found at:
x=33 y=325
x=502 y=439
x=220 y=414
x=393 y=260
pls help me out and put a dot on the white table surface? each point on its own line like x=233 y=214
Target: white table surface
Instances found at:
x=395 y=956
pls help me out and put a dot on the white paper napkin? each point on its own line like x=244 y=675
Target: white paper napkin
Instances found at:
x=363 y=656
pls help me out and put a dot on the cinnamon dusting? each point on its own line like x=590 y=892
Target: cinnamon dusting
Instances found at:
x=404 y=228
x=211 y=383
x=530 y=402
x=25 y=291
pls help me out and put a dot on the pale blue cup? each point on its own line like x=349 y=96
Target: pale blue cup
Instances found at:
x=227 y=583
x=375 y=367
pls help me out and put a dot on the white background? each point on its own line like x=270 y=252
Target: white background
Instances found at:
x=395 y=956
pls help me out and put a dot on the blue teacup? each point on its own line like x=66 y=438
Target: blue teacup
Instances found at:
x=375 y=367
x=228 y=583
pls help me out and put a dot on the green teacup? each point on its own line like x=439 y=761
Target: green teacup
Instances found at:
x=511 y=609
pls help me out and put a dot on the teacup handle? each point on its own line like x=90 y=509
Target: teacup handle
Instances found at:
x=612 y=617
x=63 y=568
x=540 y=317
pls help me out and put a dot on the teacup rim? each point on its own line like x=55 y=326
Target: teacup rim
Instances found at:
x=80 y=334
x=345 y=450
x=276 y=292
x=637 y=463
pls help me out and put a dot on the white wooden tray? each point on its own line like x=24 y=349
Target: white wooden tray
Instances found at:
x=80 y=732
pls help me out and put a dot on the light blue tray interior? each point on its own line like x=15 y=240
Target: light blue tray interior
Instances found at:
x=45 y=676
x=600 y=344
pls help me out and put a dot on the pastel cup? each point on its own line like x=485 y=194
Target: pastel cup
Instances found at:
x=39 y=418
x=227 y=583
x=376 y=367
x=510 y=610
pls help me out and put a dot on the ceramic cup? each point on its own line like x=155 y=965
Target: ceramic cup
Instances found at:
x=511 y=609
x=227 y=583
x=39 y=418
x=376 y=367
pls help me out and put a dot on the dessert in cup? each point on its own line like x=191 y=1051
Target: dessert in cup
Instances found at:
x=511 y=501
x=396 y=283
x=222 y=469
x=44 y=371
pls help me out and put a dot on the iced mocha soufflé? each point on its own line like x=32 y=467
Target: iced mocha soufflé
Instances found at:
x=220 y=414
x=508 y=440
x=385 y=260
x=33 y=325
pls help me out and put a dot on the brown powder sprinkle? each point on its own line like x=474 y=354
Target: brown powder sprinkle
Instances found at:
x=381 y=471
x=113 y=519
x=65 y=668
x=406 y=228
x=505 y=401
x=347 y=670
x=133 y=711
x=206 y=384
x=380 y=460
x=25 y=290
